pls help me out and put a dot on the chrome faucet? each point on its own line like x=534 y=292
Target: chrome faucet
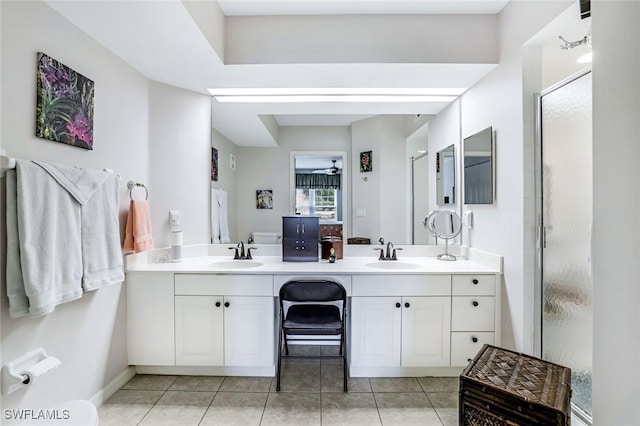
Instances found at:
x=390 y=253
x=239 y=255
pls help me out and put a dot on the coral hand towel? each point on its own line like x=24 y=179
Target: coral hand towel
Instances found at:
x=138 y=235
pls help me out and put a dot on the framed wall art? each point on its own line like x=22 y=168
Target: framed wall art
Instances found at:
x=264 y=199
x=64 y=104
x=366 y=162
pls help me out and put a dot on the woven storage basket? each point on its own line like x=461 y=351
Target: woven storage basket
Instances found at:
x=501 y=387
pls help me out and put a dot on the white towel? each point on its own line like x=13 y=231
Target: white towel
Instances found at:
x=67 y=225
x=97 y=193
x=219 y=218
x=18 y=300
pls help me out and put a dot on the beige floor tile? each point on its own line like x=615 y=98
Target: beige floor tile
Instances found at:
x=135 y=397
x=174 y=415
x=331 y=377
x=149 y=382
x=443 y=399
x=235 y=408
x=299 y=378
x=406 y=409
x=295 y=409
x=448 y=416
x=197 y=383
x=349 y=409
x=395 y=384
x=246 y=384
x=187 y=399
x=122 y=414
x=439 y=384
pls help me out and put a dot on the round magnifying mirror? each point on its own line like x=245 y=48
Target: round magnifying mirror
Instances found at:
x=447 y=224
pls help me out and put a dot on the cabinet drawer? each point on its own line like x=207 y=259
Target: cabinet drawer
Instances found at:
x=473 y=285
x=279 y=280
x=223 y=285
x=401 y=285
x=465 y=345
x=473 y=313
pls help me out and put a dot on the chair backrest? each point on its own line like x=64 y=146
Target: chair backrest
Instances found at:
x=313 y=290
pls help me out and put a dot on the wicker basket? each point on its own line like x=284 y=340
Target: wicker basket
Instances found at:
x=501 y=387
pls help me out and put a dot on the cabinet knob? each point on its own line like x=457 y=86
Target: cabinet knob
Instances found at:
x=474 y=339
x=406 y=305
x=217 y=304
x=475 y=281
x=398 y=305
x=475 y=303
x=226 y=304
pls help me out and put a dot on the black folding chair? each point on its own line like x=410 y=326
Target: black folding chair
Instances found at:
x=312 y=308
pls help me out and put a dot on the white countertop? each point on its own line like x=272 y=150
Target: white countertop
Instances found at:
x=348 y=265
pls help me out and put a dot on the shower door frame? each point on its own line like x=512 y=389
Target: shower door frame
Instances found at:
x=540 y=234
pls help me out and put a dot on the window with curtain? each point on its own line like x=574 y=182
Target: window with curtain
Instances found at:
x=318 y=195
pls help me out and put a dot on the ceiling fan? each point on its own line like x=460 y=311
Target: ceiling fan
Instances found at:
x=330 y=171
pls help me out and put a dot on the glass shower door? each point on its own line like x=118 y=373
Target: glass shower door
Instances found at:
x=566 y=216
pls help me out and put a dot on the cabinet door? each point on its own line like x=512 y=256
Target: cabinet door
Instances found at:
x=199 y=330
x=375 y=331
x=426 y=329
x=248 y=330
x=465 y=345
x=150 y=338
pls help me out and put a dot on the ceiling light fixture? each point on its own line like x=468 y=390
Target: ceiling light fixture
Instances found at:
x=336 y=94
x=334 y=98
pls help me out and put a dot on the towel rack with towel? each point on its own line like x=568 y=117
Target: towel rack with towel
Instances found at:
x=131 y=185
x=6 y=163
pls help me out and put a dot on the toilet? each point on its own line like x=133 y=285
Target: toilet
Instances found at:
x=69 y=413
x=266 y=237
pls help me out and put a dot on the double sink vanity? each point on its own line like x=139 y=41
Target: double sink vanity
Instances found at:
x=212 y=315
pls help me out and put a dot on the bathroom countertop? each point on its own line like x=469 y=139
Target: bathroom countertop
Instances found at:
x=350 y=265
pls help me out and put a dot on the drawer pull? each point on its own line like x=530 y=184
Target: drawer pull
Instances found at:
x=226 y=304
x=217 y=304
x=475 y=281
x=406 y=305
x=474 y=339
x=475 y=303
x=398 y=305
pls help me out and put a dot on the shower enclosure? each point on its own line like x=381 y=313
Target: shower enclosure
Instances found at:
x=565 y=193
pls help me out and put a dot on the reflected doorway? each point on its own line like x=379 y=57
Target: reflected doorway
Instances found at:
x=420 y=199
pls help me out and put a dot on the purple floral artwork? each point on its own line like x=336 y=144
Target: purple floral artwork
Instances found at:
x=214 y=164
x=64 y=111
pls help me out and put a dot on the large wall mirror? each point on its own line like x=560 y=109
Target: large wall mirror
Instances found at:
x=446 y=176
x=479 y=168
x=319 y=186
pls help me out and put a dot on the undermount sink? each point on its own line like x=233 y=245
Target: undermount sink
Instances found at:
x=237 y=264
x=392 y=264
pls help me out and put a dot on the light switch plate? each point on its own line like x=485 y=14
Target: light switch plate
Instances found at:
x=174 y=217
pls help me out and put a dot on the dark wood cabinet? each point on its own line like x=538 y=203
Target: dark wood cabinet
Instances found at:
x=300 y=238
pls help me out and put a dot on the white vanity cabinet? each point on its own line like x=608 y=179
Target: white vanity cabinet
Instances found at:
x=150 y=337
x=474 y=319
x=224 y=320
x=400 y=321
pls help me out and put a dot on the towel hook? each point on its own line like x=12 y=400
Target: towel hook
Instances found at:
x=131 y=184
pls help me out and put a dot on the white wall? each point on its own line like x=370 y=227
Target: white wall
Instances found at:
x=87 y=335
x=269 y=168
x=179 y=162
x=616 y=230
x=147 y=132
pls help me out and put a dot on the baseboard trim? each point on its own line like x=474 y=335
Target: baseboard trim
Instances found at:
x=105 y=393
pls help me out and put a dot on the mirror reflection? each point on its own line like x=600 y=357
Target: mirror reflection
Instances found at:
x=318 y=186
x=445 y=176
x=478 y=168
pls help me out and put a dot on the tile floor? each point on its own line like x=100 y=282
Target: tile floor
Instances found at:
x=311 y=394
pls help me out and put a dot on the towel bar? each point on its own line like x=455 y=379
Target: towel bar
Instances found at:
x=131 y=185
